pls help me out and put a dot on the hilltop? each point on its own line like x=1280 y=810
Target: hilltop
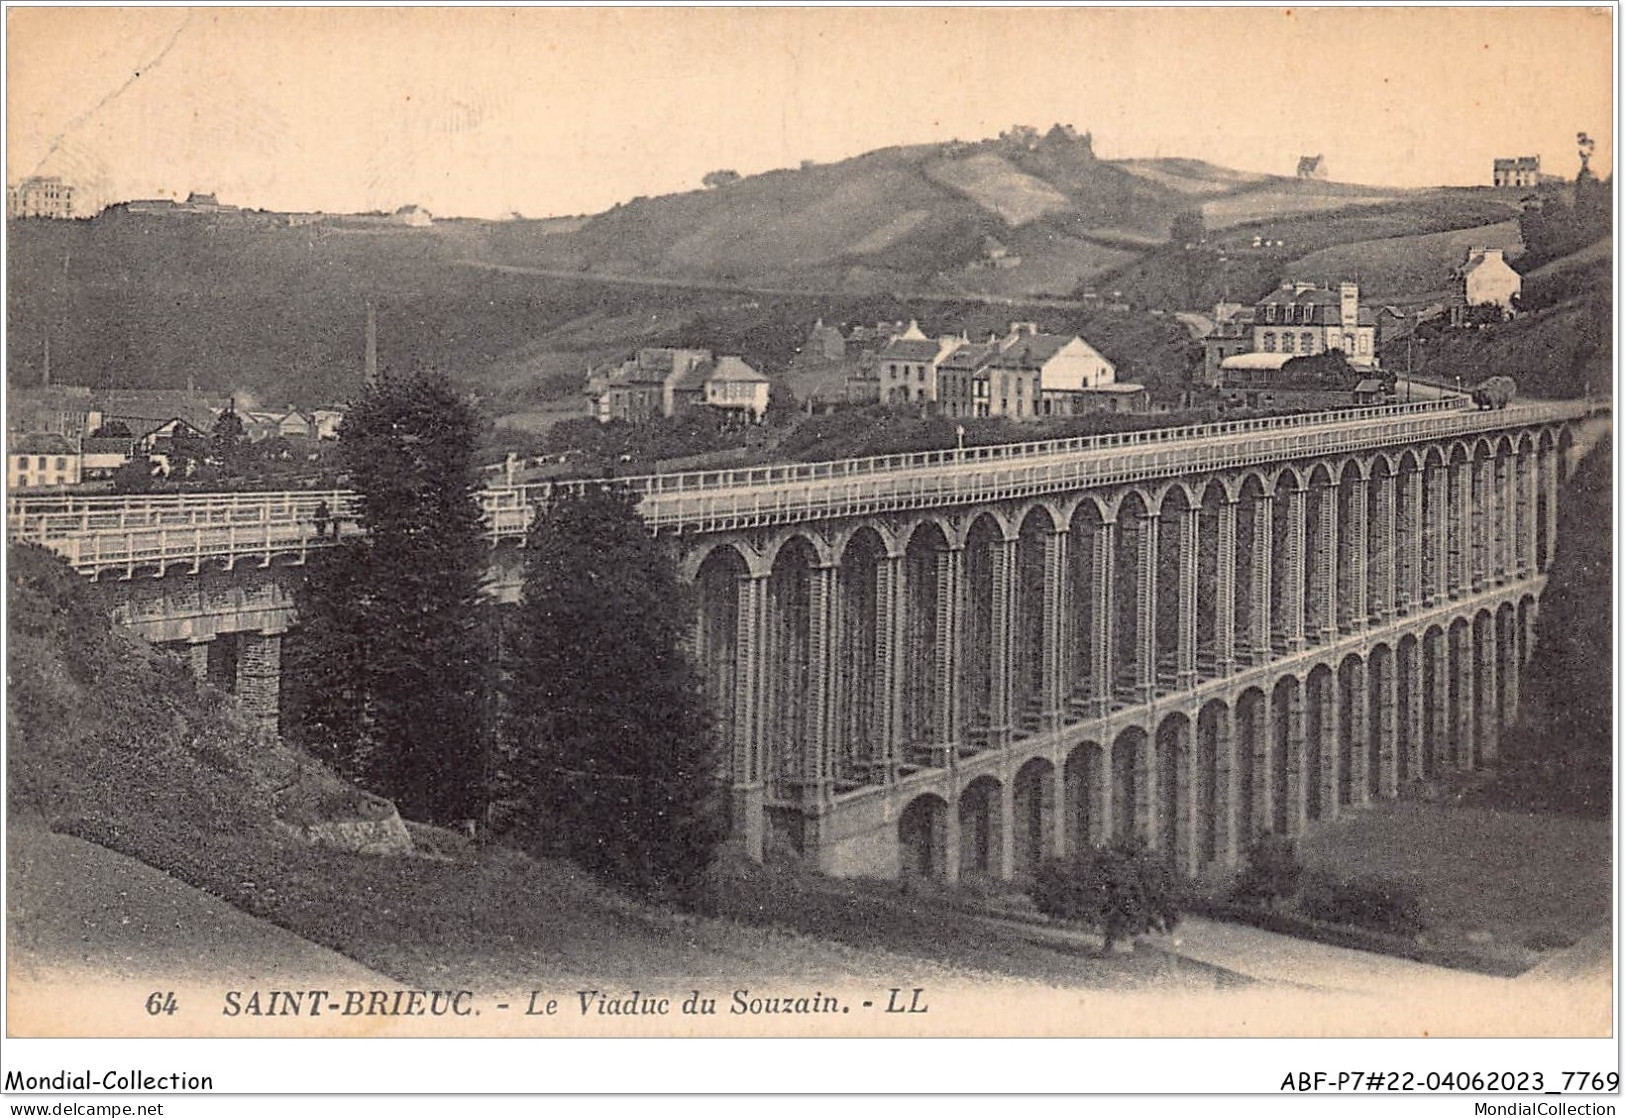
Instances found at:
x=1022 y=215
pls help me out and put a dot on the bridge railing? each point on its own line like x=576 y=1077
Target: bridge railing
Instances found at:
x=771 y=494
x=753 y=476
x=108 y=532
x=163 y=547
x=60 y=516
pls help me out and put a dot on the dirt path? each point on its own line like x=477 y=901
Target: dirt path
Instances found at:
x=76 y=907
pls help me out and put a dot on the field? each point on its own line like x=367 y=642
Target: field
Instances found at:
x=1251 y=206
x=1015 y=198
x=1190 y=176
x=1406 y=268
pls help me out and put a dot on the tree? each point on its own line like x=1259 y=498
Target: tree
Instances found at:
x=1124 y=890
x=227 y=441
x=394 y=621
x=782 y=408
x=134 y=476
x=718 y=179
x=612 y=758
x=184 y=450
x=1329 y=369
x=1189 y=229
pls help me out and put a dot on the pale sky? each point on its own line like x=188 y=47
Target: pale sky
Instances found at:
x=479 y=112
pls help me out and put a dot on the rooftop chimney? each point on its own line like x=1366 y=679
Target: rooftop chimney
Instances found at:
x=1349 y=304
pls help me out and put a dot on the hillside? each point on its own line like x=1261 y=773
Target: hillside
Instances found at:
x=1560 y=346
x=1403 y=242
x=514 y=311
x=1021 y=215
x=280 y=314
x=111 y=739
x=1411 y=269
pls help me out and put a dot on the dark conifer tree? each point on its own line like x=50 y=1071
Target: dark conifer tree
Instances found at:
x=612 y=758
x=228 y=442
x=392 y=665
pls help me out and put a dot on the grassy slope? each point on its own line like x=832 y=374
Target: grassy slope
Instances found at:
x=104 y=729
x=1536 y=883
x=1556 y=352
x=1406 y=268
x=1227 y=264
x=282 y=312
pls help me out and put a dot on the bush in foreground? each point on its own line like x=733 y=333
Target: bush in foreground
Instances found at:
x=1123 y=890
x=1272 y=872
x=1378 y=904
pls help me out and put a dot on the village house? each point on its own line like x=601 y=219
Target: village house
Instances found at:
x=1232 y=334
x=41 y=459
x=905 y=368
x=101 y=456
x=1485 y=280
x=734 y=388
x=1031 y=375
x=1520 y=171
x=155 y=440
x=1072 y=376
x=863 y=380
x=144 y=409
x=326 y=422
x=643 y=386
x=52 y=409
x=663 y=382
x=963 y=384
x=826 y=342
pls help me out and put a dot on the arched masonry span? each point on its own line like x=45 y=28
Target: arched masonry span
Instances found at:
x=1195 y=661
x=945 y=665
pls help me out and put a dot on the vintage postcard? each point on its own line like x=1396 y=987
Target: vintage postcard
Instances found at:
x=873 y=523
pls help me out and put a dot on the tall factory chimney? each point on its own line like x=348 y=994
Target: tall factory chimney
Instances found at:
x=370 y=373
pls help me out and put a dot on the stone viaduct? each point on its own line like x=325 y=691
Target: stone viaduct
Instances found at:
x=964 y=662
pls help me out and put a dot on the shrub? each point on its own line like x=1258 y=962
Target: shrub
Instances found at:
x=1272 y=872
x=1124 y=890
x=1376 y=903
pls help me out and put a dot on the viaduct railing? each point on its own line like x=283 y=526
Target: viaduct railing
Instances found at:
x=103 y=533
